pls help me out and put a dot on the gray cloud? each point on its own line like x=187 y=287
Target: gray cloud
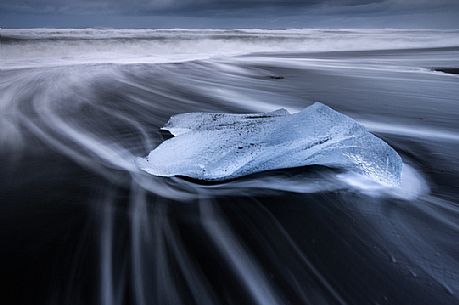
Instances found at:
x=219 y=13
x=169 y=6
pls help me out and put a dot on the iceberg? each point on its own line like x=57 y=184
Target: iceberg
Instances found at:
x=219 y=146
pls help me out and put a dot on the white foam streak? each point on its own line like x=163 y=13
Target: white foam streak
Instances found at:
x=411 y=187
x=247 y=269
x=106 y=235
x=411 y=131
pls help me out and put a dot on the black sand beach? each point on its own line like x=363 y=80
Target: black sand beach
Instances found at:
x=80 y=225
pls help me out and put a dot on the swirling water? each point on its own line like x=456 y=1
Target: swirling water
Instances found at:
x=81 y=224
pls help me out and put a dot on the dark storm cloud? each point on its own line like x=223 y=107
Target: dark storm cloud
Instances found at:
x=98 y=12
x=190 y=7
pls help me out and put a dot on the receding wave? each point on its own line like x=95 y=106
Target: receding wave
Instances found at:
x=67 y=116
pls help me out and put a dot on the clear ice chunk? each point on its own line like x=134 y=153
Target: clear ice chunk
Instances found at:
x=218 y=146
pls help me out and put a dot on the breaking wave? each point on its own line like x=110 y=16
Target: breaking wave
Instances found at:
x=55 y=47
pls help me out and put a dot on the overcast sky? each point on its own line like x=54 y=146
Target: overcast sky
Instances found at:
x=230 y=14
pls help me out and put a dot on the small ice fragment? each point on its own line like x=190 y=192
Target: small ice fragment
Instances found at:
x=218 y=146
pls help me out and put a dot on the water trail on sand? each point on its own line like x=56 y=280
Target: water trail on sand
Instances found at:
x=44 y=110
x=74 y=111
